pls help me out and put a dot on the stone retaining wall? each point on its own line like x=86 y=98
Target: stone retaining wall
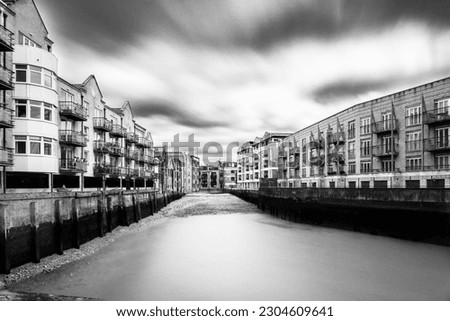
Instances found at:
x=41 y=224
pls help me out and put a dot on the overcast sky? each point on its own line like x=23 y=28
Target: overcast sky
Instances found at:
x=229 y=70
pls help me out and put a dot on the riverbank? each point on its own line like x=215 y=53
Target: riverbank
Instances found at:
x=192 y=204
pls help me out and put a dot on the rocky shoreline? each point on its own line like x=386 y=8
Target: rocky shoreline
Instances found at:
x=186 y=206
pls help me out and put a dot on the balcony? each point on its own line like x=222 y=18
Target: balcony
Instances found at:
x=6 y=117
x=102 y=169
x=102 y=147
x=336 y=138
x=6 y=156
x=131 y=154
x=294 y=164
x=133 y=172
x=72 y=110
x=118 y=131
x=336 y=157
x=316 y=144
x=335 y=170
x=115 y=171
x=385 y=126
x=142 y=142
x=72 y=165
x=6 y=39
x=295 y=150
x=437 y=144
x=6 y=79
x=73 y=138
x=437 y=167
x=385 y=151
x=437 y=116
x=116 y=150
x=316 y=160
x=102 y=124
x=351 y=154
x=131 y=138
x=141 y=158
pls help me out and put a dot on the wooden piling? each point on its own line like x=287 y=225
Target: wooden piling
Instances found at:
x=109 y=210
x=59 y=248
x=5 y=264
x=75 y=225
x=35 y=254
x=100 y=217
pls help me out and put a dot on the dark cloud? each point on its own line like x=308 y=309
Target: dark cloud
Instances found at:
x=177 y=114
x=336 y=91
x=114 y=26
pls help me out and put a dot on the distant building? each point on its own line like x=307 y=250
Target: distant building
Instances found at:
x=229 y=173
x=257 y=160
x=209 y=177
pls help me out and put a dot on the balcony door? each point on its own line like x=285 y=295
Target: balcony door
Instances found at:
x=67 y=153
x=386 y=144
x=387 y=121
x=442 y=137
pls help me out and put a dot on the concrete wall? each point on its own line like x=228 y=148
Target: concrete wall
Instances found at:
x=413 y=214
x=37 y=225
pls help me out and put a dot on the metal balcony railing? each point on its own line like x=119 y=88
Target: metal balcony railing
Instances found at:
x=102 y=147
x=385 y=126
x=102 y=124
x=6 y=117
x=6 y=39
x=336 y=138
x=6 y=79
x=337 y=156
x=385 y=150
x=437 y=144
x=316 y=144
x=73 y=110
x=71 y=137
x=440 y=115
x=131 y=138
x=72 y=165
x=116 y=150
x=351 y=154
x=6 y=156
x=102 y=169
x=415 y=145
x=437 y=167
x=118 y=131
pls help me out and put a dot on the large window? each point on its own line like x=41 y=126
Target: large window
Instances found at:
x=35 y=75
x=365 y=148
x=351 y=129
x=387 y=166
x=442 y=162
x=34 y=145
x=413 y=115
x=21 y=144
x=414 y=164
x=366 y=167
x=25 y=41
x=413 y=141
x=33 y=109
x=365 y=126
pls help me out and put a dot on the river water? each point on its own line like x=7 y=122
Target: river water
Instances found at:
x=235 y=252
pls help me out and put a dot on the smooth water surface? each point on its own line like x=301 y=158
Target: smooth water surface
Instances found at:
x=252 y=256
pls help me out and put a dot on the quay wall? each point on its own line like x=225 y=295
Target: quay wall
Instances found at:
x=36 y=225
x=413 y=214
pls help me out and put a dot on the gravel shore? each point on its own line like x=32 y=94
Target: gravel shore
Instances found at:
x=192 y=204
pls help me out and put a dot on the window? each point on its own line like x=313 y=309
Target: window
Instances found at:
x=366 y=167
x=21 y=73
x=21 y=144
x=35 y=145
x=442 y=137
x=442 y=162
x=387 y=121
x=351 y=129
x=365 y=126
x=351 y=150
x=35 y=75
x=48 y=81
x=352 y=168
x=365 y=148
x=24 y=40
x=48 y=112
x=21 y=108
x=413 y=115
x=413 y=164
x=47 y=146
x=386 y=145
x=442 y=106
x=35 y=109
x=413 y=141
x=387 y=166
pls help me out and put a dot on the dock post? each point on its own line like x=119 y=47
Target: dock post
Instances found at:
x=35 y=249
x=59 y=248
x=5 y=265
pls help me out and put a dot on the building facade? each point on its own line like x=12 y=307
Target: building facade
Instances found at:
x=229 y=173
x=64 y=134
x=401 y=140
